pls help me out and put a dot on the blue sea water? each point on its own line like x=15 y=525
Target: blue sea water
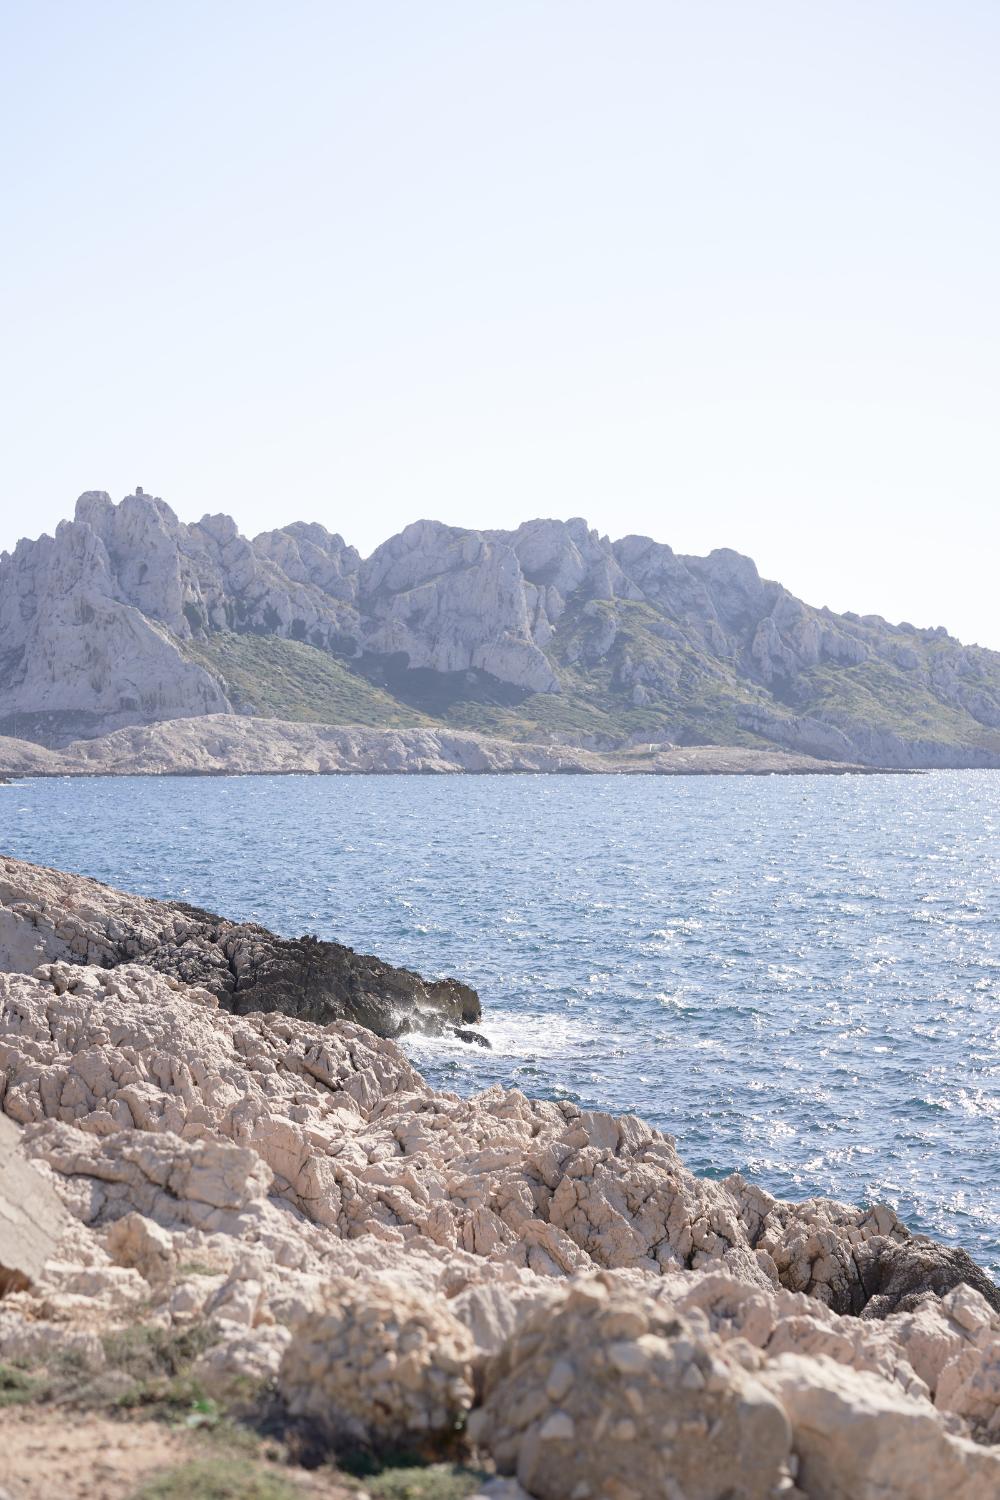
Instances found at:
x=797 y=977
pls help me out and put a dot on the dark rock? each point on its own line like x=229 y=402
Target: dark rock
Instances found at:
x=476 y=1038
x=251 y=969
x=895 y=1277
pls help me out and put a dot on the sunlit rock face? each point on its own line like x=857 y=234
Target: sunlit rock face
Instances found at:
x=117 y=619
x=397 y=1263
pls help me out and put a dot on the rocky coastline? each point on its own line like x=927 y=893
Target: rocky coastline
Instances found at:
x=244 y=967
x=267 y=1201
x=232 y=745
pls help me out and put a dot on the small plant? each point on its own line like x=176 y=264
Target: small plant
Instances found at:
x=407 y=1476
x=16 y=1387
x=145 y=1350
x=173 y=1398
x=435 y=1482
x=219 y=1478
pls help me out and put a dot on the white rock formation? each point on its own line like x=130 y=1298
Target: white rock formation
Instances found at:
x=74 y=647
x=453 y=601
x=214 y=744
x=101 y=625
x=31 y=1216
x=399 y=1258
x=611 y=1392
x=374 y=1364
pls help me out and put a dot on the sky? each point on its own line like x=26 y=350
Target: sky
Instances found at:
x=725 y=274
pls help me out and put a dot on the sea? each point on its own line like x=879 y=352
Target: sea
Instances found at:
x=796 y=977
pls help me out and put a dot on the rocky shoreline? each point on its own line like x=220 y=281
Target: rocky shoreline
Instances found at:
x=233 y=745
x=283 y=1212
x=244 y=967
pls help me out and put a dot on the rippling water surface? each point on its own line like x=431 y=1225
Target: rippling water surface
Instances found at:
x=798 y=977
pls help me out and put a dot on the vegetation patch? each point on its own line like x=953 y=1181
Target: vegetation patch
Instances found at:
x=16 y=1386
x=219 y=1478
x=402 y=1478
x=145 y=1349
x=280 y=679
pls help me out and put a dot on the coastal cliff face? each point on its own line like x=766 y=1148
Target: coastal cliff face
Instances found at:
x=129 y=616
x=290 y=1212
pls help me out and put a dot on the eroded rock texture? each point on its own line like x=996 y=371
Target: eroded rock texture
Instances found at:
x=398 y=1260
x=45 y=914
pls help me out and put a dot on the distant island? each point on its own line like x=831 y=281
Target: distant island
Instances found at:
x=545 y=648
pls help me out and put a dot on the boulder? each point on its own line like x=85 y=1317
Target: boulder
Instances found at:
x=858 y=1438
x=379 y=1364
x=31 y=1216
x=896 y=1276
x=612 y=1393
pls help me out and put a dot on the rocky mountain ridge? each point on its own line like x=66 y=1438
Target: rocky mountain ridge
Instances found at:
x=129 y=615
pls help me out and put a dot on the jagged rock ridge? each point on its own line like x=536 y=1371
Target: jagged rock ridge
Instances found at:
x=130 y=616
x=45 y=914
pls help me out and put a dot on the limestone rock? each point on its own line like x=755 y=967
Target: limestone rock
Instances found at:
x=389 y=1254
x=612 y=1393
x=31 y=1216
x=231 y=744
x=109 y=624
x=378 y=1364
x=858 y=1439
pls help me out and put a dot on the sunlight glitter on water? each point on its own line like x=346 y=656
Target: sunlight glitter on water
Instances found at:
x=796 y=977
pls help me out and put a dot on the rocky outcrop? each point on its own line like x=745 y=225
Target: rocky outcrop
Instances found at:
x=227 y=744
x=75 y=652
x=31 y=1216
x=546 y=631
x=46 y=915
x=399 y=1262
x=378 y=1365
x=858 y=1439
x=612 y=1392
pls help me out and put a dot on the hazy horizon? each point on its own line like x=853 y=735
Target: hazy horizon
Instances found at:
x=721 y=275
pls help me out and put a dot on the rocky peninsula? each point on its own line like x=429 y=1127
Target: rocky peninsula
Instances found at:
x=231 y=745
x=250 y=1205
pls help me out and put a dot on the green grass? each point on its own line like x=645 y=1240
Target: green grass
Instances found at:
x=16 y=1386
x=288 y=680
x=402 y=1480
x=877 y=694
x=146 y=1368
x=219 y=1478
x=438 y=1482
x=695 y=695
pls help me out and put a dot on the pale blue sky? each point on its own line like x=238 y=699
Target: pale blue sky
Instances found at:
x=725 y=273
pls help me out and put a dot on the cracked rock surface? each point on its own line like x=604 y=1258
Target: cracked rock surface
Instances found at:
x=396 y=1261
x=45 y=914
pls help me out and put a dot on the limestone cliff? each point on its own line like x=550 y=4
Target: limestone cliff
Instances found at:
x=550 y=632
